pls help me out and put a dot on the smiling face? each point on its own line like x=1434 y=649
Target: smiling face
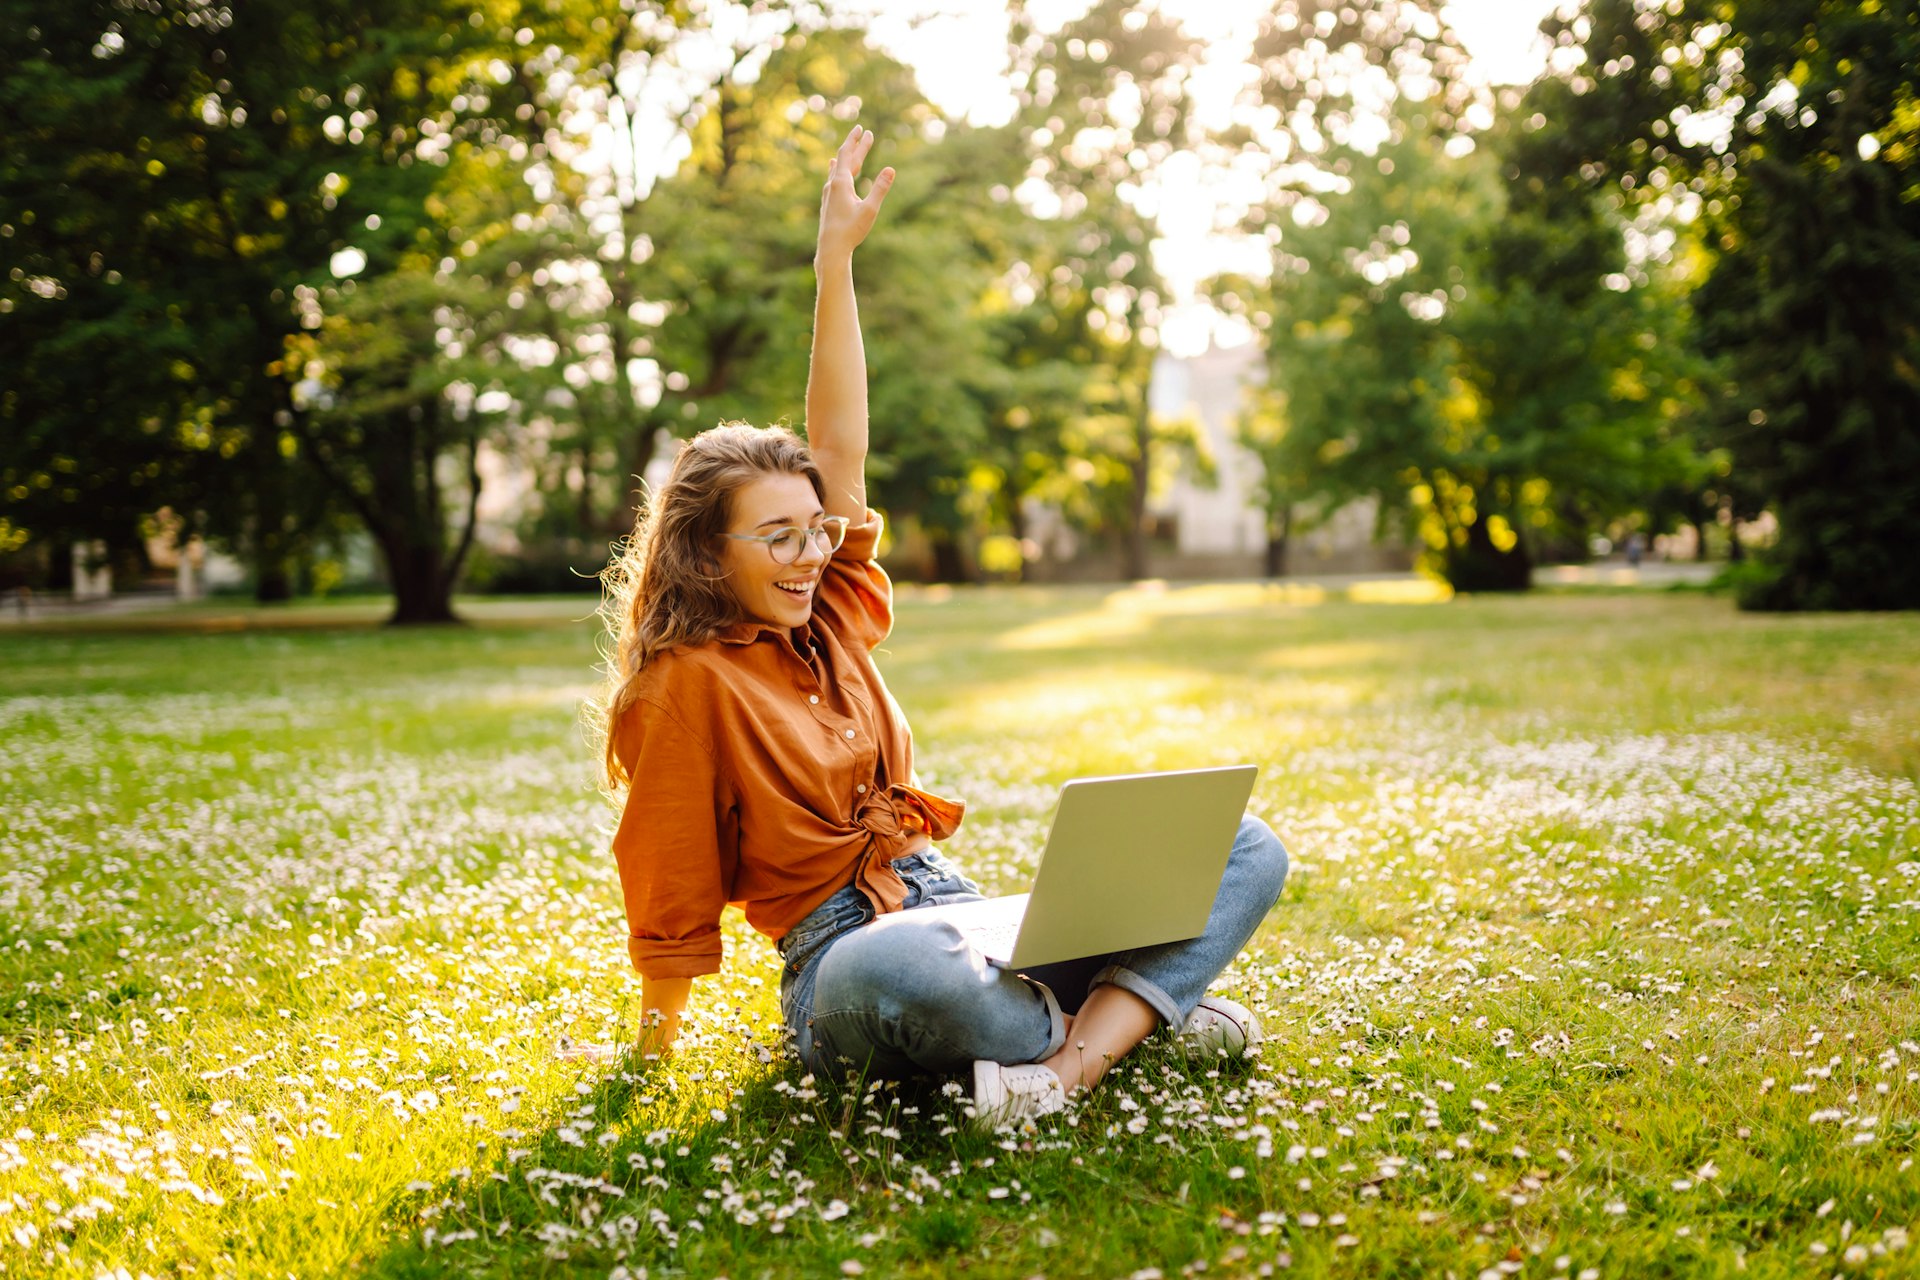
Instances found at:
x=779 y=594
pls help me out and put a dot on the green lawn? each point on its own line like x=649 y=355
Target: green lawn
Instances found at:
x=1599 y=956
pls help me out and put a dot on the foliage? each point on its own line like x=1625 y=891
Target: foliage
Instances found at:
x=618 y=205
x=376 y=421
x=1466 y=346
x=1792 y=129
x=732 y=238
x=608 y=99
x=1104 y=104
x=179 y=177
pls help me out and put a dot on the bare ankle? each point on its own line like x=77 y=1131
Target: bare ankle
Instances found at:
x=1062 y=1064
x=1070 y=1064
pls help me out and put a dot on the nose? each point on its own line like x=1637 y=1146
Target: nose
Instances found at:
x=813 y=549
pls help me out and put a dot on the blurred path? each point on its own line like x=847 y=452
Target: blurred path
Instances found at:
x=1615 y=573
x=156 y=612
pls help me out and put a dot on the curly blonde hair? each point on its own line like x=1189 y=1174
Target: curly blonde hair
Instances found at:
x=665 y=585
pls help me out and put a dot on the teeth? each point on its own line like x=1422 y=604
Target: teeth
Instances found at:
x=796 y=589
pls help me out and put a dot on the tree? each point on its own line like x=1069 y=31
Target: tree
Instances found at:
x=1358 y=361
x=1447 y=333
x=1326 y=72
x=377 y=418
x=1036 y=397
x=606 y=101
x=1104 y=105
x=730 y=267
x=117 y=327
x=1578 y=358
x=1469 y=350
x=1286 y=480
x=1791 y=127
x=179 y=183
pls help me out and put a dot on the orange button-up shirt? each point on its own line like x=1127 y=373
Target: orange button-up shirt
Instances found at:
x=770 y=768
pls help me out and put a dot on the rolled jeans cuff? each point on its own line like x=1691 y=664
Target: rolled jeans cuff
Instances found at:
x=1127 y=980
x=1056 y=1020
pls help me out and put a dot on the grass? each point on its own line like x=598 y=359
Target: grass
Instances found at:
x=1599 y=956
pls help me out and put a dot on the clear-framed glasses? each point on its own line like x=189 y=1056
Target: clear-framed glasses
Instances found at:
x=784 y=544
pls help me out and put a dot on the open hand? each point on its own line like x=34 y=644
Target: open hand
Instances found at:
x=845 y=218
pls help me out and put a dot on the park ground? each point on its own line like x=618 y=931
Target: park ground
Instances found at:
x=1598 y=959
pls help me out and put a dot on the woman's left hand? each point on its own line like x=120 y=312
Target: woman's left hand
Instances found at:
x=845 y=218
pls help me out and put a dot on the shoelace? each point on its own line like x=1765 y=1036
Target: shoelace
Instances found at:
x=1031 y=1082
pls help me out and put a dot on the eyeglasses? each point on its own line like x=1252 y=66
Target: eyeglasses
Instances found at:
x=784 y=544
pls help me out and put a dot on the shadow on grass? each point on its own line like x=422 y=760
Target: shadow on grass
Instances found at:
x=797 y=1177
x=684 y=1184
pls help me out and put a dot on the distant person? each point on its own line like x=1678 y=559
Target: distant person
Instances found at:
x=764 y=763
x=1636 y=547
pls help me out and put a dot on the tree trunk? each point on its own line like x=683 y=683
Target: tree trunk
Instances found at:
x=1699 y=539
x=1481 y=566
x=271 y=549
x=639 y=458
x=272 y=578
x=1279 y=530
x=949 y=561
x=1017 y=529
x=1736 y=550
x=583 y=501
x=1135 y=563
x=411 y=526
x=422 y=584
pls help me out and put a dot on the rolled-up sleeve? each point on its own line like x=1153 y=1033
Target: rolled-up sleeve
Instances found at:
x=676 y=846
x=856 y=597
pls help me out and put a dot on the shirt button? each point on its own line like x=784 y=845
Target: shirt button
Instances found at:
x=813 y=697
x=861 y=789
x=849 y=733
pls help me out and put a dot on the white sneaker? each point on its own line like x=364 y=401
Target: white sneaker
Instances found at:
x=1219 y=1026
x=1008 y=1095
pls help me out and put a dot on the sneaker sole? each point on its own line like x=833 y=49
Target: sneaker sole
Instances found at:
x=1243 y=1030
x=981 y=1075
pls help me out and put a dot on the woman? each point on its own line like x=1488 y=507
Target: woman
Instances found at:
x=765 y=764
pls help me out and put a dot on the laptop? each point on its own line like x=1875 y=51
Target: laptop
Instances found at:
x=1131 y=861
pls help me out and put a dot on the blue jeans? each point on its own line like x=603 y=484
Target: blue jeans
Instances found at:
x=904 y=995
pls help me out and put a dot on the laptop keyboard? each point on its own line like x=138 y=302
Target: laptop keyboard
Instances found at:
x=996 y=938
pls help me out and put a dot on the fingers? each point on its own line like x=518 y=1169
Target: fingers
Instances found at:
x=852 y=153
x=844 y=168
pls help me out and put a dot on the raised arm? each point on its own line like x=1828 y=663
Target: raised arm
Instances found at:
x=837 y=376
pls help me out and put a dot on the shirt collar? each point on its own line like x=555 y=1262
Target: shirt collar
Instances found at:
x=749 y=630
x=745 y=632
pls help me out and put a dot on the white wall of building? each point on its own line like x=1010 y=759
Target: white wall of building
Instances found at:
x=1225 y=518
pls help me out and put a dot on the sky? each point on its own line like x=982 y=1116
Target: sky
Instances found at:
x=959 y=56
x=960 y=52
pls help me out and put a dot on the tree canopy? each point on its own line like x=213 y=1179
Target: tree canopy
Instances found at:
x=280 y=269
x=1789 y=130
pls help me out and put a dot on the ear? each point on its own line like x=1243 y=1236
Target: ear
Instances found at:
x=714 y=566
